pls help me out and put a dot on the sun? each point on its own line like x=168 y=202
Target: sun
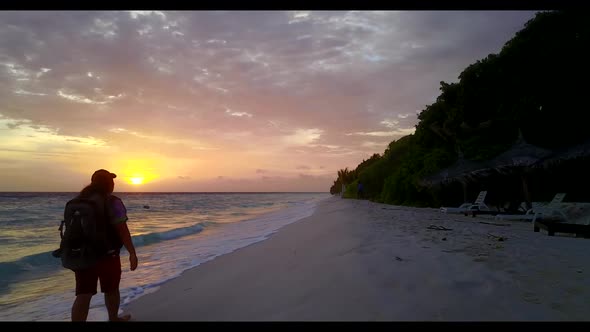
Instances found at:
x=136 y=180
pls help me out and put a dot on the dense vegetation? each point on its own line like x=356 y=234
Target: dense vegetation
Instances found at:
x=536 y=84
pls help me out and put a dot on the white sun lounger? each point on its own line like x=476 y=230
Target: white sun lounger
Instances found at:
x=536 y=212
x=528 y=215
x=468 y=207
x=552 y=209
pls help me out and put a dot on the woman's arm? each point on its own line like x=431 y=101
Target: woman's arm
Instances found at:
x=125 y=237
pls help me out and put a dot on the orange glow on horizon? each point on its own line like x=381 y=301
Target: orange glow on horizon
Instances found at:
x=136 y=180
x=139 y=171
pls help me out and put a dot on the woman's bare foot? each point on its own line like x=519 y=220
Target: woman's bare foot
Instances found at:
x=123 y=318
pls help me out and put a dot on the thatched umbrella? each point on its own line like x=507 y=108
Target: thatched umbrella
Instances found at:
x=520 y=154
x=516 y=159
x=461 y=171
x=456 y=172
x=567 y=154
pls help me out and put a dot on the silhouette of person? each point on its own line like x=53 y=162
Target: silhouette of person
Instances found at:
x=108 y=268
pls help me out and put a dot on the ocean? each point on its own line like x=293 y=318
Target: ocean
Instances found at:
x=172 y=232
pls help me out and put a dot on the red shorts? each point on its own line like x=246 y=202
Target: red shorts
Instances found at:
x=107 y=270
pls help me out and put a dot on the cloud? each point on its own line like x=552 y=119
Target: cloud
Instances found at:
x=168 y=140
x=397 y=132
x=85 y=100
x=29 y=93
x=261 y=171
x=139 y=13
x=14 y=124
x=303 y=167
x=370 y=144
x=182 y=177
x=303 y=136
x=238 y=114
x=390 y=123
x=26 y=142
x=298 y=82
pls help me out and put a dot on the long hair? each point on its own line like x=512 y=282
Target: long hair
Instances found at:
x=103 y=188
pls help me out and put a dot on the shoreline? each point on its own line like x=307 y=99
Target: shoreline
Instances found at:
x=359 y=260
x=164 y=253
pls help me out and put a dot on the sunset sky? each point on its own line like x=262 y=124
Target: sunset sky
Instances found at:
x=221 y=101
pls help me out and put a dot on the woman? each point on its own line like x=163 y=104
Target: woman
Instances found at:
x=108 y=268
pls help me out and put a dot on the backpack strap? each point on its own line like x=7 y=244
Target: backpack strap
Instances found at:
x=96 y=204
x=105 y=209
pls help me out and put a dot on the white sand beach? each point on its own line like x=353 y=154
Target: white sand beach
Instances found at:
x=362 y=261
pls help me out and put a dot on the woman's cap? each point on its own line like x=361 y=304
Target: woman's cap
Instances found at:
x=102 y=174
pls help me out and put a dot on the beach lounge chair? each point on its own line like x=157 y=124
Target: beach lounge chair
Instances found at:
x=524 y=215
x=466 y=208
x=537 y=211
x=552 y=209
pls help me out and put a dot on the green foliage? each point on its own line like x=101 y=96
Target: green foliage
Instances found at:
x=536 y=84
x=350 y=191
x=344 y=178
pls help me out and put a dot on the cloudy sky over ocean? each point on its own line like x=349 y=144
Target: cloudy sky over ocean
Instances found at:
x=221 y=101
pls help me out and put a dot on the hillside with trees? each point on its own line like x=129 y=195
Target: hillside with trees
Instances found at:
x=535 y=84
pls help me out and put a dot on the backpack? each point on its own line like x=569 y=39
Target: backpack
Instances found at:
x=84 y=239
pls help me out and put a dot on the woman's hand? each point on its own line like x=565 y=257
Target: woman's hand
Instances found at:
x=133 y=262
